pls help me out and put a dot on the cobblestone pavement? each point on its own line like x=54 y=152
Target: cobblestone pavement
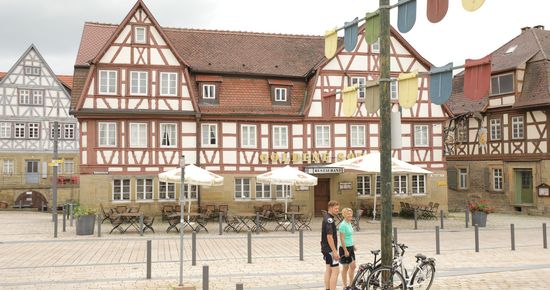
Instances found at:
x=31 y=258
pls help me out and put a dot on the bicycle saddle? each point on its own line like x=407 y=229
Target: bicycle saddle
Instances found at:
x=375 y=252
x=420 y=256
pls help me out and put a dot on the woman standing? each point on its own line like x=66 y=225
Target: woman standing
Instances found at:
x=347 y=250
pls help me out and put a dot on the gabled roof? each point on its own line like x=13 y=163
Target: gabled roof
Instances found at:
x=535 y=89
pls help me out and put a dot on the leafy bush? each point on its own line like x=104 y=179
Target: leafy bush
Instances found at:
x=82 y=211
x=481 y=205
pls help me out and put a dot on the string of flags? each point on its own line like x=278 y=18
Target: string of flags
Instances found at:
x=477 y=73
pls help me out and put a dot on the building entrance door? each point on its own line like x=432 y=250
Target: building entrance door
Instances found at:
x=321 y=195
x=32 y=175
x=523 y=186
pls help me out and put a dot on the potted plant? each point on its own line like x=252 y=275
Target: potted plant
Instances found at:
x=85 y=220
x=480 y=209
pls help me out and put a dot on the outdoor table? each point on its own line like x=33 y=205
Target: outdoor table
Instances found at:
x=129 y=218
x=246 y=218
x=287 y=223
x=189 y=219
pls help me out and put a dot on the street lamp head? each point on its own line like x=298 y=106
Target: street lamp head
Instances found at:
x=182 y=161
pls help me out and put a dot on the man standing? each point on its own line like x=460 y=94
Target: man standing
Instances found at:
x=329 y=240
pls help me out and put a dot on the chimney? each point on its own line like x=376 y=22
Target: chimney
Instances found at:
x=541 y=27
x=525 y=28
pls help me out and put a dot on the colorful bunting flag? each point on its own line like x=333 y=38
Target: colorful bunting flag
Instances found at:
x=349 y=100
x=406 y=15
x=477 y=77
x=472 y=5
x=350 y=34
x=372 y=97
x=331 y=43
x=437 y=9
x=441 y=83
x=396 y=130
x=408 y=89
x=372 y=27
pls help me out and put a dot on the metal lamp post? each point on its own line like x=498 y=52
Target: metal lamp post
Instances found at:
x=182 y=206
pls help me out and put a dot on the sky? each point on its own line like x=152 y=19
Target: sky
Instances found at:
x=55 y=26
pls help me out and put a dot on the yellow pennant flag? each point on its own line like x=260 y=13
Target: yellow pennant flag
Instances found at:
x=472 y=5
x=408 y=89
x=349 y=100
x=331 y=43
x=372 y=97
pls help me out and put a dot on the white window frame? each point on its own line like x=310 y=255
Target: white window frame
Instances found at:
x=498 y=77
x=418 y=186
x=24 y=96
x=518 y=127
x=498 y=179
x=168 y=189
x=394 y=90
x=68 y=166
x=239 y=188
x=281 y=94
x=172 y=135
x=496 y=129
x=136 y=34
x=263 y=190
x=279 y=192
x=168 y=84
x=138 y=135
x=462 y=178
x=322 y=136
x=400 y=184
x=142 y=86
x=361 y=82
x=209 y=129
x=144 y=189
x=209 y=91
x=248 y=136
x=278 y=141
x=363 y=185
x=108 y=83
x=8 y=166
x=5 y=130
x=32 y=70
x=68 y=131
x=37 y=97
x=357 y=133
x=194 y=192
x=378 y=185
x=20 y=131
x=122 y=190
x=110 y=129
x=33 y=130
x=375 y=47
x=421 y=140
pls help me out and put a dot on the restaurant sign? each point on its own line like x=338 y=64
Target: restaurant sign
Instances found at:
x=323 y=170
x=304 y=157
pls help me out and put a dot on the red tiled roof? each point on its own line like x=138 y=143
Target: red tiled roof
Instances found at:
x=2 y=74
x=94 y=36
x=535 y=85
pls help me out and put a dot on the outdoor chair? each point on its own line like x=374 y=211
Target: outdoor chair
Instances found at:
x=277 y=208
x=223 y=209
x=232 y=224
x=355 y=219
x=209 y=212
x=304 y=221
x=294 y=208
x=282 y=222
x=116 y=222
x=148 y=223
x=134 y=209
x=166 y=211
x=430 y=212
x=106 y=214
x=266 y=211
x=121 y=209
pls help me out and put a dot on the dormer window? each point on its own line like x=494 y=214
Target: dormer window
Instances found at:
x=281 y=94
x=280 y=91
x=140 y=35
x=502 y=84
x=511 y=49
x=209 y=91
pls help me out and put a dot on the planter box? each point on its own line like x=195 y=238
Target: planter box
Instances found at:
x=85 y=225
x=479 y=218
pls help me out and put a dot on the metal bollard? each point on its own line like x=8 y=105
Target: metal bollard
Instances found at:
x=41 y=206
x=141 y=224
x=148 y=259
x=221 y=222
x=512 y=236
x=358 y=219
x=194 y=248
x=99 y=219
x=21 y=205
x=293 y=224
x=467 y=216
x=64 y=219
x=249 y=247
x=205 y=277
x=544 y=238
x=477 y=238
x=301 y=245
x=240 y=286
x=71 y=207
x=395 y=234
x=442 y=227
x=437 y=247
x=257 y=223
x=415 y=219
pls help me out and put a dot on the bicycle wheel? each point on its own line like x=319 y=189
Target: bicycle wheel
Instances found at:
x=376 y=281
x=423 y=276
x=360 y=279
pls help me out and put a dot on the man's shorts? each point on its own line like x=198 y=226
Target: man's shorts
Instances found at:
x=348 y=259
x=329 y=260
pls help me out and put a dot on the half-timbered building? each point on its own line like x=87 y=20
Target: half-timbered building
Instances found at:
x=238 y=104
x=497 y=147
x=32 y=98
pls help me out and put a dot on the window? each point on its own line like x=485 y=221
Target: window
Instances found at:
x=121 y=190
x=497 y=179
x=495 y=129
x=140 y=35
x=24 y=97
x=34 y=130
x=517 y=127
x=322 y=136
x=138 y=81
x=209 y=135
x=167 y=135
x=5 y=130
x=394 y=95
x=376 y=46
x=357 y=135
x=19 y=130
x=281 y=94
x=144 y=189
x=68 y=166
x=68 y=131
x=248 y=136
x=287 y=191
x=462 y=132
x=194 y=191
x=168 y=84
x=360 y=81
x=462 y=178
x=421 y=135
x=378 y=185
x=242 y=188
x=8 y=167
x=502 y=84
x=400 y=184
x=208 y=91
x=363 y=185
x=280 y=137
x=167 y=191
x=263 y=191
x=138 y=135
x=107 y=82
x=37 y=97
x=32 y=70
x=107 y=134
x=418 y=184
x=511 y=49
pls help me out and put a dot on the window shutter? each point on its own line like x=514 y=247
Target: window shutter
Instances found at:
x=452 y=178
x=487 y=179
